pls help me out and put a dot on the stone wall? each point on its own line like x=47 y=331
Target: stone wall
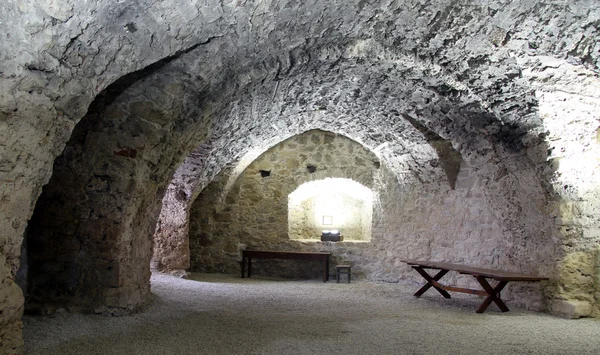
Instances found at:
x=89 y=239
x=254 y=212
x=469 y=53
x=572 y=176
x=462 y=68
x=467 y=224
x=473 y=224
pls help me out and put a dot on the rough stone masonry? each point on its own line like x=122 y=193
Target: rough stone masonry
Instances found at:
x=113 y=112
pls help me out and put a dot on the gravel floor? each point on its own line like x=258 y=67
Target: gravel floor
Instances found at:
x=223 y=314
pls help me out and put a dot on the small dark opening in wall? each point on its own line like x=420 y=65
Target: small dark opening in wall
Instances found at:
x=376 y=164
x=265 y=173
x=311 y=168
x=130 y=27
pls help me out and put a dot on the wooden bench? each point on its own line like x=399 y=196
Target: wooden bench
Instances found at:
x=275 y=254
x=481 y=275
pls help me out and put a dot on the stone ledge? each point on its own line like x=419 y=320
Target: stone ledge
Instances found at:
x=570 y=309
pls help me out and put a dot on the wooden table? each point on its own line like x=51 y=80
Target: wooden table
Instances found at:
x=481 y=275
x=275 y=254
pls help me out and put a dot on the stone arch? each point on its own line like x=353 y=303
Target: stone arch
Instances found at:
x=149 y=113
x=52 y=80
x=429 y=103
x=172 y=227
x=253 y=213
x=191 y=176
x=481 y=158
x=88 y=237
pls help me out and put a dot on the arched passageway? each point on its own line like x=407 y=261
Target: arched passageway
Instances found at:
x=510 y=87
x=254 y=212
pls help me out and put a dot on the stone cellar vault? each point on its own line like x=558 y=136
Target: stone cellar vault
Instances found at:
x=266 y=211
x=138 y=126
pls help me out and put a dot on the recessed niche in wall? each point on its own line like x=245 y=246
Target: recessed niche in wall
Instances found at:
x=331 y=203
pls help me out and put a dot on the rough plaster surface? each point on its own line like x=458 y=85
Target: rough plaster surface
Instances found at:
x=254 y=212
x=88 y=237
x=411 y=221
x=465 y=70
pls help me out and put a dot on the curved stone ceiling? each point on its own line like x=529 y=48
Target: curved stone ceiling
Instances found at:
x=75 y=50
x=365 y=92
x=57 y=56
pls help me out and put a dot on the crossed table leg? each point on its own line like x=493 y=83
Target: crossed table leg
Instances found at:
x=492 y=293
x=430 y=282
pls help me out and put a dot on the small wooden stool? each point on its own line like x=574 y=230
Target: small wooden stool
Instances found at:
x=343 y=269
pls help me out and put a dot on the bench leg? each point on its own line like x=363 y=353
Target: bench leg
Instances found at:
x=429 y=284
x=493 y=294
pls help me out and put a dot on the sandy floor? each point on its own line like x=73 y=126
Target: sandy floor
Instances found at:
x=223 y=314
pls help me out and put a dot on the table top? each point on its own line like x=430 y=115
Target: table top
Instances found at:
x=476 y=271
x=286 y=252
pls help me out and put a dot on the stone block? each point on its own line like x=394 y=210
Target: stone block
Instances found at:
x=125 y=297
x=223 y=217
x=571 y=308
x=111 y=297
x=110 y=275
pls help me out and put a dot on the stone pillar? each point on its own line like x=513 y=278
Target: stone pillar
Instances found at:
x=171 y=242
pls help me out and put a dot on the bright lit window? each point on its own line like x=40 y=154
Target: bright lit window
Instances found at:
x=337 y=204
